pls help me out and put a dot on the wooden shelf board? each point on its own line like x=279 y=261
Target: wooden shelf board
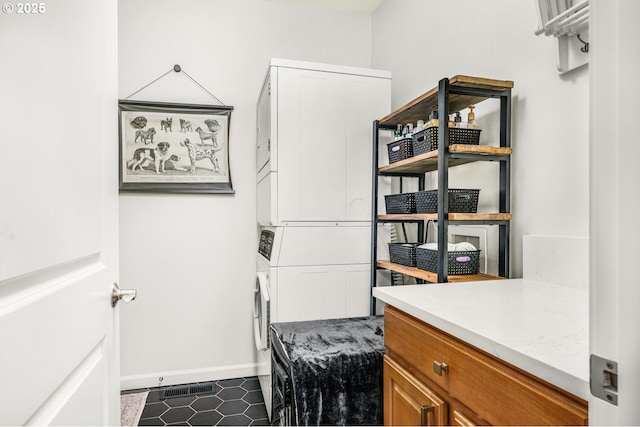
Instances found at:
x=433 y=277
x=480 y=149
x=419 y=108
x=452 y=217
x=428 y=162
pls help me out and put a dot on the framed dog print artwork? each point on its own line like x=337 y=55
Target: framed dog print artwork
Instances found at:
x=174 y=148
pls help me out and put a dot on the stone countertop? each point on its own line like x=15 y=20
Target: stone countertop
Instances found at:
x=539 y=327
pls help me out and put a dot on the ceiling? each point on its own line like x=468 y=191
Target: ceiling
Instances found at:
x=359 y=6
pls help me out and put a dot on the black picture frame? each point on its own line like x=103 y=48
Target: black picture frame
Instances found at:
x=174 y=148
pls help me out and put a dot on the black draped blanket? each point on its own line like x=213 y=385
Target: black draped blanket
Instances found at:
x=335 y=368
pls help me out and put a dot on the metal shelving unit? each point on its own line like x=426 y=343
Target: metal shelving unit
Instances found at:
x=449 y=96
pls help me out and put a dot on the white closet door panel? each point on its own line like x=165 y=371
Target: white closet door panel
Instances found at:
x=357 y=291
x=263 y=118
x=366 y=99
x=325 y=245
x=310 y=293
x=266 y=200
x=311 y=122
x=322 y=292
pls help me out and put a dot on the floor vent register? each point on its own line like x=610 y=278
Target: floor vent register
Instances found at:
x=188 y=390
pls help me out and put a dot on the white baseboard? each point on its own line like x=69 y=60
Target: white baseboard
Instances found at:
x=158 y=379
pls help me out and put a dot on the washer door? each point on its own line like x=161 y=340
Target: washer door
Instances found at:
x=261 y=310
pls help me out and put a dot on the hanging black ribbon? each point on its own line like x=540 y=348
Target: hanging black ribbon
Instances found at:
x=176 y=68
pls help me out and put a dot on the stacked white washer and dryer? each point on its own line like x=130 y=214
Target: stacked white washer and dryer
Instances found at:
x=314 y=181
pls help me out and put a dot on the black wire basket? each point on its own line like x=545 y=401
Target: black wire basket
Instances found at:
x=427 y=139
x=403 y=203
x=403 y=253
x=459 y=262
x=400 y=149
x=460 y=201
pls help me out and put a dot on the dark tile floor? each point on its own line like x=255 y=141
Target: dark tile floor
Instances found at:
x=235 y=402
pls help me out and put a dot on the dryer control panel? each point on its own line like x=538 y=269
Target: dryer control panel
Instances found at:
x=266 y=243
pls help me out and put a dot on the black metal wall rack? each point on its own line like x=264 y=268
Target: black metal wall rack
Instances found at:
x=451 y=95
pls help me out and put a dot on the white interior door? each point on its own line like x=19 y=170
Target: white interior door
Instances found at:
x=58 y=214
x=615 y=202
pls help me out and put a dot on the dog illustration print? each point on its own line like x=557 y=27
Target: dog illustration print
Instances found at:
x=208 y=135
x=196 y=154
x=145 y=136
x=172 y=163
x=139 y=122
x=158 y=155
x=213 y=125
x=185 y=126
x=165 y=125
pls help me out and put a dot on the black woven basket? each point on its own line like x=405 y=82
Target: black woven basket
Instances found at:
x=460 y=201
x=427 y=139
x=403 y=253
x=402 y=203
x=400 y=149
x=460 y=262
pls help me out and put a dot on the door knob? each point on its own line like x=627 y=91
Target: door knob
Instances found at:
x=126 y=295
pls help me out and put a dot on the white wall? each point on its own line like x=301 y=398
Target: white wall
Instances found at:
x=192 y=257
x=423 y=41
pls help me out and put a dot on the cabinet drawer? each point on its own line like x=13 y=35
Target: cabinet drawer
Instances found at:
x=496 y=391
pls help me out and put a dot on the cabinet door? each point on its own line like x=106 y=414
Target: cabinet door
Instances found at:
x=408 y=402
x=460 y=419
x=324 y=144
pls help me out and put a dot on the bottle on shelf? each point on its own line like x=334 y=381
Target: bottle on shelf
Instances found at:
x=471 y=118
x=408 y=130
x=457 y=120
x=433 y=119
x=398 y=134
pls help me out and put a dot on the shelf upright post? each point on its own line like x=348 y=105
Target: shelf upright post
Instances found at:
x=421 y=224
x=443 y=179
x=374 y=215
x=505 y=184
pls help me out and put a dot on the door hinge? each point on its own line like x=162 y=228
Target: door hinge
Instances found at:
x=603 y=379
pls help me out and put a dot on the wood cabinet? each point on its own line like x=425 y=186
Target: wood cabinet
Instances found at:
x=432 y=378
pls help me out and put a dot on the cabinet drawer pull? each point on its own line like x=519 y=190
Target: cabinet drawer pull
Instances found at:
x=424 y=414
x=440 y=367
